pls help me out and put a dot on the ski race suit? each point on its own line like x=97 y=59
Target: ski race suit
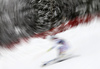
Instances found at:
x=62 y=46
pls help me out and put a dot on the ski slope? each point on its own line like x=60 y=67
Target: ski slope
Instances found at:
x=84 y=40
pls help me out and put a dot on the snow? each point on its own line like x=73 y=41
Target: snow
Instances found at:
x=84 y=40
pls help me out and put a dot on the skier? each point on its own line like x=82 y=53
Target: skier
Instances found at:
x=62 y=48
x=61 y=45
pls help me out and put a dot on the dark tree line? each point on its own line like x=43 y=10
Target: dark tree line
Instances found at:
x=24 y=18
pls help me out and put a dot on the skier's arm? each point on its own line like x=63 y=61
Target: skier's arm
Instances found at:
x=53 y=47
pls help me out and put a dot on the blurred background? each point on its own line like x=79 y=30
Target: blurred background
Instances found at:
x=84 y=40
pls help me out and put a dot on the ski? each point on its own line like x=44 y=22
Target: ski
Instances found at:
x=57 y=60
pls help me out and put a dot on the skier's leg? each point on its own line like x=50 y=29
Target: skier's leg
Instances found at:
x=61 y=52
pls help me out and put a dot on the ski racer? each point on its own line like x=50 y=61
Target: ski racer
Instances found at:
x=61 y=45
